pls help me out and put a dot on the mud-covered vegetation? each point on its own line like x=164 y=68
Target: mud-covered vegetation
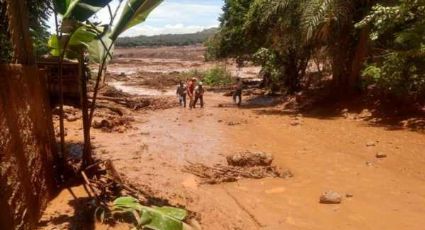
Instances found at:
x=362 y=45
x=215 y=76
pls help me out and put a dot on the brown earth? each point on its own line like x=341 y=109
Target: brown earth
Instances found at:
x=324 y=153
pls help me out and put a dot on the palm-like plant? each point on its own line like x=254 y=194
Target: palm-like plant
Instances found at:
x=330 y=23
x=280 y=21
x=77 y=34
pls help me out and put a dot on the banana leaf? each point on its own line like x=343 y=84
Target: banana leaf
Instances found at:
x=156 y=218
x=134 y=12
x=80 y=10
x=79 y=39
x=97 y=50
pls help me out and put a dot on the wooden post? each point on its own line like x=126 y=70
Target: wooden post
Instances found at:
x=87 y=156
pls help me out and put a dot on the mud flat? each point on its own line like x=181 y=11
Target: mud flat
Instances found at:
x=324 y=153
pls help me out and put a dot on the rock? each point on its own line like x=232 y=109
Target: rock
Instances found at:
x=330 y=197
x=370 y=144
x=121 y=129
x=368 y=163
x=71 y=118
x=295 y=122
x=233 y=123
x=381 y=155
x=348 y=195
x=364 y=114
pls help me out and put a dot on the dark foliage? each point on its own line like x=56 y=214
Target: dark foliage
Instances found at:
x=167 y=39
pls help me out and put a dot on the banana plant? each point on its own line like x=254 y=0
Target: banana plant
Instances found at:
x=77 y=33
x=156 y=218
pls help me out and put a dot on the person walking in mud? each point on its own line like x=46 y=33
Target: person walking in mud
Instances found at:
x=181 y=93
x=237 y=91
x=191 y=91
x=199 y=95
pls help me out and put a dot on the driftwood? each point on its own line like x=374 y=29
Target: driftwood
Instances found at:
x=223 y=173
x=111 y=108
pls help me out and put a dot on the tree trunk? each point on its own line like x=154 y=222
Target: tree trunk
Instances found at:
x=292 y=81
x=359 y=57
x=17 y=15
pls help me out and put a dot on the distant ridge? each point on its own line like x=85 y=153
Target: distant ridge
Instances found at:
x=167 y=39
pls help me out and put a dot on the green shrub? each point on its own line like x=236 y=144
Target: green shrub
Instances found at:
x=217 y=76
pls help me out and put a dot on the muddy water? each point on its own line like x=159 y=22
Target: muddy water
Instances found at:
x=141 y=90
x=323 y=154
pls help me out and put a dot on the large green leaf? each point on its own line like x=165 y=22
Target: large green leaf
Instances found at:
x=156 y=218
x=165 y=218
x=127 y=202
x=53 y=45
x=134 y=12
x=79 y=10
x=97 y=50
x=79 y=39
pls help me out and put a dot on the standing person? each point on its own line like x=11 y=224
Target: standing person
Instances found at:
x=199 y=94
x=190 y=92
x=237 y=91
x=181 y=93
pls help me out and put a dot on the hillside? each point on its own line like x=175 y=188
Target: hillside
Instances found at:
x=167 y=39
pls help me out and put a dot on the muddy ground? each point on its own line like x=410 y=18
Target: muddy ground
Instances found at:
x=341 y=153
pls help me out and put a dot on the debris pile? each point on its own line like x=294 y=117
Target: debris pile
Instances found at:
x=110 y=91
x=105 y=183
x=255 y=165
x=153 y=103
x=113 y=124
x=250 y=159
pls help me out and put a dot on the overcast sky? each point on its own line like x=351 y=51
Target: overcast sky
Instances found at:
x=175 y=17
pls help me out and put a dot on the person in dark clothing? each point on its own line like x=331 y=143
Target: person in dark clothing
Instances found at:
x=199 y=94
x=181 y=93
x=237 y=91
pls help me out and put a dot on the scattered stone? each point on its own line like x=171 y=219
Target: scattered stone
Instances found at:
x=72 y=118
x=295 y=123
x=348 y=195
x=219 y=121
x=368 y=163
x=330 y=197
x=381 y=155
x=233 y=123
x=364 y=114
x=370 y=144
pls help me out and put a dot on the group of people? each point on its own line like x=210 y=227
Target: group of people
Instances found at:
x=192 y=89
x=195 y=91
